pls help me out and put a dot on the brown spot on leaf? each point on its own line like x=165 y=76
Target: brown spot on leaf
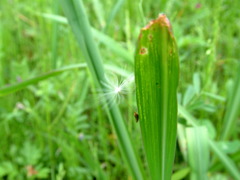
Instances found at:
x=150 y=36
x=143 y=51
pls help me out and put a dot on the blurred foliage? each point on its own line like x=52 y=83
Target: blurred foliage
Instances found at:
x=57 y=128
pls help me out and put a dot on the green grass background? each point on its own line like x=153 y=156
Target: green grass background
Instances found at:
x=54 y=126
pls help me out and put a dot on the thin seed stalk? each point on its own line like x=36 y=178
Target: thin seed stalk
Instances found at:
x=156 y=76
x=78 y=20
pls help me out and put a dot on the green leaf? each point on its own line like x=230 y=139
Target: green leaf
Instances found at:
x=18 y=86
x=210 y=128
x=181 y=134
x=181 y=174
x=61 y=172
x=214 y=96
x=106 y=40
x=229 y=147
x=42 y=172
x=198 y=152
x=21 y=85
x=114 y=11
x=156 y=74
x=30 y=154
x=226 y=161
x=188 y=95
x=8 y=168
x=233 y=108
x=197 y=82
x=80 y=25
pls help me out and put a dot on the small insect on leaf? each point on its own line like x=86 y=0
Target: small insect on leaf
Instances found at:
x=136 y=116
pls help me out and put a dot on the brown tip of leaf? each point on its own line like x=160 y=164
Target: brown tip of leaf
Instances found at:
x=162 y=20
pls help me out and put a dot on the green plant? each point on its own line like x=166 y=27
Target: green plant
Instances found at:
x=78 y=20
x=52 y=115
x=198 y=152
x=156 y=74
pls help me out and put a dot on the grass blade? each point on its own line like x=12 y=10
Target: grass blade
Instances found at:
x=182 y=140
x=113 y=46
x=113 y=13
x=55 y=34
x=156 y=74
x=78 y=20
x=226 y=161
x=233 y=108
x=16 y=87
x=198 y=153
x=21 y=85
x=101 y=37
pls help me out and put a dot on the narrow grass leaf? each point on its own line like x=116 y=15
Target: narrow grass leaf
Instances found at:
x=188 y=95
x=99 y=11
x=182 y=141
x=78 y=20
x=214 y=96
x=114 y=11
x=109 y=42
x=113 y=45
x=233 y=108
x=198 y=152
x=21 y=85
x=197 y=82
x=227 y=162
x=156 y=74
x=55 y=34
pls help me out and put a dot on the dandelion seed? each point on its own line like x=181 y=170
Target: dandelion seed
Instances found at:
x=115 y=89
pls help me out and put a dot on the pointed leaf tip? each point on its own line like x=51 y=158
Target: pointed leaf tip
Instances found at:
x=162 y=20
